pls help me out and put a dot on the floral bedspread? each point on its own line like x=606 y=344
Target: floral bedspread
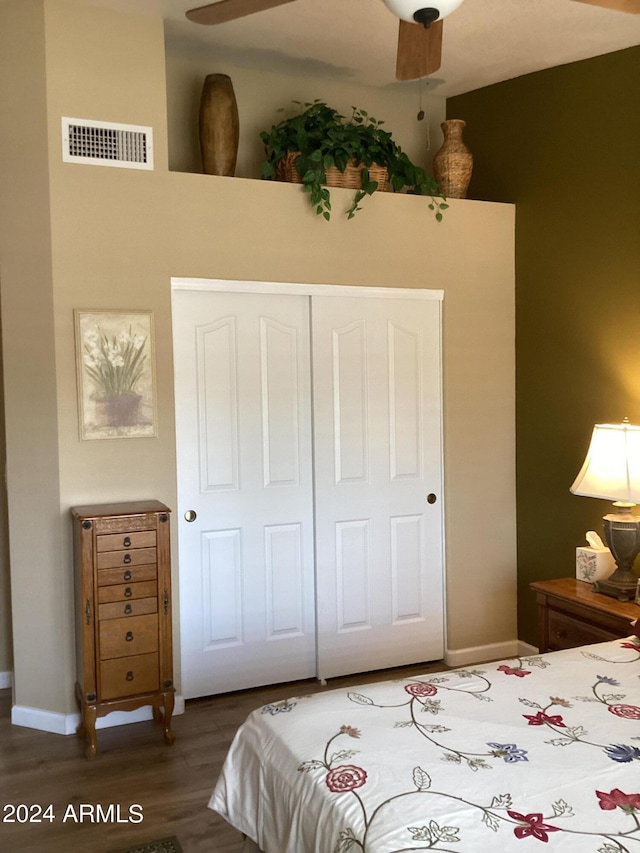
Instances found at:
x=509 y=756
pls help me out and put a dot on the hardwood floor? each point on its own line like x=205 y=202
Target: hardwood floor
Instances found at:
x=134 y=766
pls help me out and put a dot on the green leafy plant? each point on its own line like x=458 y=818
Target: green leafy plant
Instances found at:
x=323 y=138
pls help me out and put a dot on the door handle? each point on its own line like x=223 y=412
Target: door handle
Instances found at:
x=190 y=515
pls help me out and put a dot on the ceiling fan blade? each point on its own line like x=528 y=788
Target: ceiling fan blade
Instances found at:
x=229 y=10
x=419 y=50
x=631 y=6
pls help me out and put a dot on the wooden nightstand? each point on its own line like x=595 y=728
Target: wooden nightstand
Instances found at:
x=570 y=614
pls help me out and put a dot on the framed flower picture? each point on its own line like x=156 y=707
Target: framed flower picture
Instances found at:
x=116 y=376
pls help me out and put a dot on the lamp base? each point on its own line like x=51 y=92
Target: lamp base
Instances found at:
x=622 y=534
x=623 y=590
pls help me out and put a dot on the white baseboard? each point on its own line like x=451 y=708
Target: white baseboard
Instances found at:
x=66 y=724
x=6 y=679
x=526 y=650
x=490 y=652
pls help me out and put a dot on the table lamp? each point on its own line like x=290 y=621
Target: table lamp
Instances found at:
x=611 y=471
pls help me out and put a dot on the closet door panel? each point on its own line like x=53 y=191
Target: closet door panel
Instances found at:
x=243 y=423
x=377 y=455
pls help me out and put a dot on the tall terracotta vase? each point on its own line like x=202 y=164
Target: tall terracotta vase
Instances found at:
x=219 y=126
x=453 y=163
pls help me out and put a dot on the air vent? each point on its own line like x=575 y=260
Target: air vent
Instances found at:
x=105 y=143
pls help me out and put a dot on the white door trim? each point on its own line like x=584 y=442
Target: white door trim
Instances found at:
x=229 y=285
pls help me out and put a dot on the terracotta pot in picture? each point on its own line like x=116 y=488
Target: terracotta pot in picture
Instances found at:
x=118 y=411
x=219 y=126
x=453 y=163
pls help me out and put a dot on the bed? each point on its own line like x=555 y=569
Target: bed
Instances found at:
x=503 y=756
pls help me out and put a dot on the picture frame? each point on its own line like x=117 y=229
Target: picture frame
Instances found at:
x=115 y=362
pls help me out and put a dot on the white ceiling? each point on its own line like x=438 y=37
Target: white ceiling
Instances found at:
x=485 y=41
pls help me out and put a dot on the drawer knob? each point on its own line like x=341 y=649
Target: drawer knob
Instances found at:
x=127 y=542
x=128 y=609
x=129 y=676
x=126 y=559
x=129 y=636
x=128 y=592
x=127 y=575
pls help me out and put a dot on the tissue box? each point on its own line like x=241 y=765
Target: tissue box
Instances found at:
x=594 y=564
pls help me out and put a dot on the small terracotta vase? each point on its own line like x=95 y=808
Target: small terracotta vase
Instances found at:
x=453 y=163
x=219 y=126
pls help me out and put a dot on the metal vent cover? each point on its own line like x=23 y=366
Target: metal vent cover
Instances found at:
x=106 y=143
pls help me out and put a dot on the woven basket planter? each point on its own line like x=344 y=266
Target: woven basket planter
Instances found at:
x=351 y=178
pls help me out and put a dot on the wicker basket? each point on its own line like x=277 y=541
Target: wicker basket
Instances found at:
x=351 y=178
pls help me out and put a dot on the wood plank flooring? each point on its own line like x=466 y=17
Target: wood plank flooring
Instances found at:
x=171 y=784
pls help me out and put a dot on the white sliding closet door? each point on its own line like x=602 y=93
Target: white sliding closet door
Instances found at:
x=242 y=390
x=377 y=451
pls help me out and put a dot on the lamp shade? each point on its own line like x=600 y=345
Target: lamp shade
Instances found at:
x=611 y=469
x=405 y=9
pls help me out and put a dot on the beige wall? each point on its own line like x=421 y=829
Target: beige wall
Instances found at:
x=6 y=649
x=117 y=238
x=39 y=573
x=261 y=97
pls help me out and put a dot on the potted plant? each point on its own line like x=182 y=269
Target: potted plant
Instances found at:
x=319 y=148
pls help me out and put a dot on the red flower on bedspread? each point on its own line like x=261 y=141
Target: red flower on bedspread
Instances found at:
x=628 y=712
x=532 y=825
x=347 y=777
x=615 y=799
x=635 y=646
x=419 y=688
x=509 y=670
x=541 y=718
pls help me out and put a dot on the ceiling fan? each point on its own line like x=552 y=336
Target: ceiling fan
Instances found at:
x=419 y=36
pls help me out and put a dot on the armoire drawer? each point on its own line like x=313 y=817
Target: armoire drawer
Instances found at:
x=131 y=635
x=127 y=575
x=134 y=607
x=127 y=591
x=128 y=676
x=133 y=557
x=123 y=541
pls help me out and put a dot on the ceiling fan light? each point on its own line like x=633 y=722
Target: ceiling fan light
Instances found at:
x=407 y=9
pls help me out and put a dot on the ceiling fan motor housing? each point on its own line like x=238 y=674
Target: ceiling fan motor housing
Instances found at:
x=414 y=12
x=426 y=16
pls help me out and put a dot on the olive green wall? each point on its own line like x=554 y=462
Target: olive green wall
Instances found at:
x=564 y=145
